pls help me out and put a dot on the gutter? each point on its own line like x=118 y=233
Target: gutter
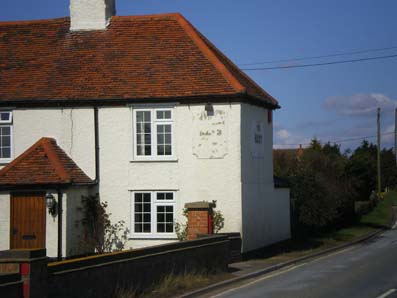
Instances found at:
x=213 y=98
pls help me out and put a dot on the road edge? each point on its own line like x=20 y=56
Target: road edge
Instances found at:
x=251 y=275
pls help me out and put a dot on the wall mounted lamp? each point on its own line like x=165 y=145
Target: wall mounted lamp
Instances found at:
x=51 y=204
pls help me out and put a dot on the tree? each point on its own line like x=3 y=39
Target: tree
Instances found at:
x=362 y=170
x=321 y=191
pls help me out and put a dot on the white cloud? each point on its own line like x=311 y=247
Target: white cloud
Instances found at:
x=283 y=134
x=286 y=139
x=360 y=104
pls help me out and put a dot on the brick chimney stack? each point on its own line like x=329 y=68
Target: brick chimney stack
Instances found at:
x=88 y=15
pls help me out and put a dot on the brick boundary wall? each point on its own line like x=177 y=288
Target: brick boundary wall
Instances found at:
x=100 y=276
x=199 y=218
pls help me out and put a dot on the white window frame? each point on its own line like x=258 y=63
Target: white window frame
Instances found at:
x=154 y=123
x=153 y=211
x=8 y=123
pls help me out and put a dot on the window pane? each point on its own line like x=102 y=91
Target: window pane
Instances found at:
x=148 y=128
x=146 y=197
x=167 y=139
x=160 y=139
x=169 y=196
x=146 y=228
x=5 y=130
x=160 y=150
x=139 y=116
x=160 y=228
x=167 y=114
x=169 y=217
x=146 y=218
x=140 y=150
x=169 y=227
x=148 y=139
x=146 y=116
x=138 y=197
x=160 y=115
x=160 y=196
x=138 y=228
x=6 y=152
x=160 y=217
x=169 y=208
x=167 y=150
x=139 y=139
x=5 y=116
x=138 y=217
x=148 y=150
x=146 y=207
x=160 y=209
x=167 y=129
x=138 y=207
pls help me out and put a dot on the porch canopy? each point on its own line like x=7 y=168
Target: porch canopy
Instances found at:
x=44 y=164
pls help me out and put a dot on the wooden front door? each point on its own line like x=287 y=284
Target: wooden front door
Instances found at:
x=28 y=221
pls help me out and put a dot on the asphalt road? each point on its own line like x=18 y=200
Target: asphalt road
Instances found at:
x=366 y=270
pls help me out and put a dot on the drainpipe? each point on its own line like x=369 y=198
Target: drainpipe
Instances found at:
x=96 y=136
x=59 y=225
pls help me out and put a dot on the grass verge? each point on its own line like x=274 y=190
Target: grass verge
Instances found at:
x=380 y=217
x=175 y=284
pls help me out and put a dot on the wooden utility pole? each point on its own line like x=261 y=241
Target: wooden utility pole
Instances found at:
x=395 y=134
x=378 y=155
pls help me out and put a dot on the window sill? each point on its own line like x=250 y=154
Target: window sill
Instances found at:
x=153 y=237
x=4 y=162
x=155 y=160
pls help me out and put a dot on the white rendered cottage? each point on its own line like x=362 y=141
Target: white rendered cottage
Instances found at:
x=143 y=110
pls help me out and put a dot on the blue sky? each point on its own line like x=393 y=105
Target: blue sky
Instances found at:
x=330 y=102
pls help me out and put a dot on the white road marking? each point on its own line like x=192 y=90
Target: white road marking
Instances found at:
x=259 y=279
x=387 y=293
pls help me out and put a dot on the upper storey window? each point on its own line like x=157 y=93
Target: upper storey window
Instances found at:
x=153 y=134
x=5 y=136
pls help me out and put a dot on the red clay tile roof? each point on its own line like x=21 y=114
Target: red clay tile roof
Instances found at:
x=137 y=57
x=43 y=163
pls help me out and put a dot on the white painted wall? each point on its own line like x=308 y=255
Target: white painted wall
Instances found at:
x=4 y=221
x=192 y=178
x=73 y=129
x=265 y=210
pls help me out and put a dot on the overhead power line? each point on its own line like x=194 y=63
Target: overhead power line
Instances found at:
x=321 y=64
x=321 y=56
x=338 y=141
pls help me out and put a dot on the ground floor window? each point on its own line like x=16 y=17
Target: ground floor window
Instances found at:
x=153 y=213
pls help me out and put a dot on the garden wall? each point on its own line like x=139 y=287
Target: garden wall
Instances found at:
x=100 y=276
